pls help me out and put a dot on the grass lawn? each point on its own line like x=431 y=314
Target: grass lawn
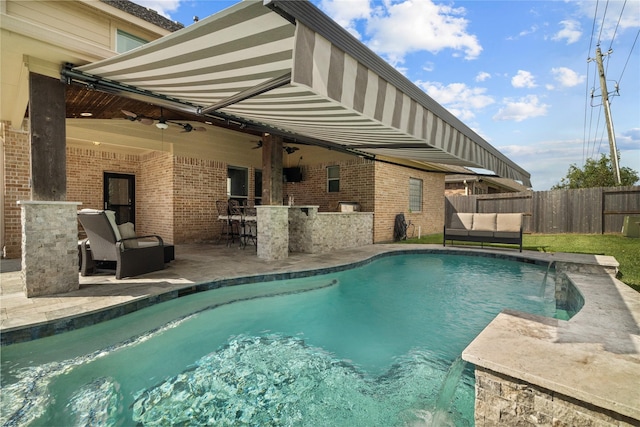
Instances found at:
x=624 y=249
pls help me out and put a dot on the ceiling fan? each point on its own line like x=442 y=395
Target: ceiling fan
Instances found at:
x=288 y=149
x=162 y=122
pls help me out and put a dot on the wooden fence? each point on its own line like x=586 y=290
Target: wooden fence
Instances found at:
x=585 y=211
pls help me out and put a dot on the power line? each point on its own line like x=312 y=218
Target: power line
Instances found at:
x=593 y=27
x=604 y=16
x=629 y=57
x=616 y=29
x=586 y=141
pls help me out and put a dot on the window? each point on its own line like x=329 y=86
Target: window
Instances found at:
x=125 y=41
x=237 y=181
x=415 y=195
x=333 y=179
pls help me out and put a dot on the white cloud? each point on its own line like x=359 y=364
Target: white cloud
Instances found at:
x=458 y=98
x=346 y=13
x=429 y=66
x=567 y=77
x=629 y=140
x=570 y=32
x=163 y=7
x=396 y=29
x=531 y=30
x=546 y=161
x=482 y=76
x=523 y=79
x=629 y=19
x=521 y=109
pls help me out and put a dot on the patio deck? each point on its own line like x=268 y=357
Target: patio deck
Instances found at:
x=593 y=357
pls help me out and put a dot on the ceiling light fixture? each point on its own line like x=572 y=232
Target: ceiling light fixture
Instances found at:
x=86 y=114
x=162 y=125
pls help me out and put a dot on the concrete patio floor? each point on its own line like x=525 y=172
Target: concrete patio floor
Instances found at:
x=607 y=330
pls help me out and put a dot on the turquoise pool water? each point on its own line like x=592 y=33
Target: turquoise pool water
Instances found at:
x=377 y=345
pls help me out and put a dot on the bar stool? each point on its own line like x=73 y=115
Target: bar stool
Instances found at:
x=250 y=224
x=226 y=231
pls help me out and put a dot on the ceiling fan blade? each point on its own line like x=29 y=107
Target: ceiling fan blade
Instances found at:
x=146 y=121
x=129 y=114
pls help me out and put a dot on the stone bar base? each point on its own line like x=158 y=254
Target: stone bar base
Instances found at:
x=316 y=232
x=505 y=401
x=49 y=247
x=273 y=232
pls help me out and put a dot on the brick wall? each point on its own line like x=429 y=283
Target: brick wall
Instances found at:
x=85 y=173
x=17 y=166
x=154 y=196
x=356 y=185
x=197 y=185
x=377 y=186
x=392 y=198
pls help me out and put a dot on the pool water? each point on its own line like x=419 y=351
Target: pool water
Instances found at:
x=378 y=345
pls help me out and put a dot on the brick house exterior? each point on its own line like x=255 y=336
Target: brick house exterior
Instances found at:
x=176 y=194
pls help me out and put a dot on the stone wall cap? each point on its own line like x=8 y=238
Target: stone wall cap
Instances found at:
x=47 y=202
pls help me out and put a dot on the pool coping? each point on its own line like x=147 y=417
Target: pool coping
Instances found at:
x=593 y=357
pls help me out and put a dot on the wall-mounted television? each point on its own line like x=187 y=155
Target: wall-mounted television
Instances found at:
x=292 y=174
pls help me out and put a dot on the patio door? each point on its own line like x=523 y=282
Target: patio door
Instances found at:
x=120 y=196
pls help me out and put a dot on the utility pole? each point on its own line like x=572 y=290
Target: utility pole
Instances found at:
x=607 y=115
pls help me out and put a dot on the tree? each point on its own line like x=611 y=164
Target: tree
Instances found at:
x=596 y=173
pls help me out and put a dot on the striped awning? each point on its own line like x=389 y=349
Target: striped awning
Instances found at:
x=287 y=65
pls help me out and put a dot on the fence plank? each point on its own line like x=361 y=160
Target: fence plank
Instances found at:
x=584 y=211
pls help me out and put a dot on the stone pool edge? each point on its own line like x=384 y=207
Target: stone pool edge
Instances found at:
x=583 y=371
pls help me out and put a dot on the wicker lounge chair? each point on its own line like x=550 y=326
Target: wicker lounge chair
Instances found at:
x=133 y=255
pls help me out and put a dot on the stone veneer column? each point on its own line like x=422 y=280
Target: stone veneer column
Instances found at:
x=273 y=232
x=49 y=247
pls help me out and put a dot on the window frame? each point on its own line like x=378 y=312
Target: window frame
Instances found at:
x=416 y=188
x=333 y=180
x=129 y=37
x=231 y=186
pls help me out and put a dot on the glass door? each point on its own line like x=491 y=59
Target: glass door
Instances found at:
x=119 y=196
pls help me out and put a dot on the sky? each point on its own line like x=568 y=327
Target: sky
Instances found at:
x=519 y=73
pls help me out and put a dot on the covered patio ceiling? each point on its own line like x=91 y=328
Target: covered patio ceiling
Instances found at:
x=287 y=66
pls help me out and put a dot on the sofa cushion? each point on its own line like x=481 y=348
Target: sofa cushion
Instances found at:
x=484 y=221
x=457 y=232
x=481 y=233
x=509 y=222
x=127 y=230
x=507 y=234
x=462 y=221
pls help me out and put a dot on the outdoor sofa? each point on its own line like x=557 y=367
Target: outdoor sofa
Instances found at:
x=485 y=228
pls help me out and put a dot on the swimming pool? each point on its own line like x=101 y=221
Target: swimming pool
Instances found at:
x=374 y=345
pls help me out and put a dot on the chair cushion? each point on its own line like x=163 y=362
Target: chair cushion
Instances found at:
x=127 y=230
x=509 y=222
x=484 y=221
x=462 y=221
